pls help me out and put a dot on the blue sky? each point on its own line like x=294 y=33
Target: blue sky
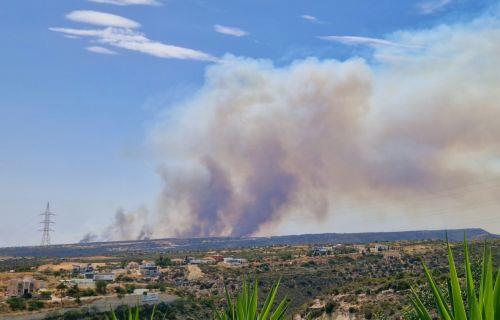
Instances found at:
x=76 y=112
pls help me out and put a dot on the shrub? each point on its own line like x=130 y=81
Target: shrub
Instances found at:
x=100 y=287
x=35 y=305
x=329 y=307
x=130 y=288
x=163 y=261
x=16 y=303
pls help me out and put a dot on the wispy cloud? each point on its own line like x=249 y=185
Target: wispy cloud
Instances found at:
x=355 y=40
x=230 y=31
x=310 y=18
x=102 y=19
x=136 y=41
x=100 y=50
x=430 y=7
x=129 y=2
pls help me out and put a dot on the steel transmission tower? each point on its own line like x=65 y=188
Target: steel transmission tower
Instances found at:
x=46 y=223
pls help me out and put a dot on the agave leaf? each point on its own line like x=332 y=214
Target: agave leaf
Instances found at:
x=483 y=280
x=279 y=313
x=136 y=316
x=450 y=295
x=113 y=315
x=456 y=294
x=419 y=306
x=488 y=286
x=153 y=313
x=438 y=296
x=475 y=311
x=253 y=301
x=230 y=303
x=496 y=296
x=246 y=306
x=268 y=304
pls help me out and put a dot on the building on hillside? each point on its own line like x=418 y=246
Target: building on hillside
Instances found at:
x=24 y=287
x=177 y=261
x=376 y=247
x=203 y=261
x=82 y=283
x=149 y=269
x=104 y=276
x=133 y=265
x=77 y=268
x=150 y=297
x=88 y=271
x=360 y=248
x=234 y=261
x=321 y=251
x=218 y=258
x=140 y=291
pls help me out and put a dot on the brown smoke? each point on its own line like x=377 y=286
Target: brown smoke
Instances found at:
x=259 y=143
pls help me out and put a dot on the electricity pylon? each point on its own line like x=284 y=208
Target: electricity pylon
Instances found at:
x=46 y=225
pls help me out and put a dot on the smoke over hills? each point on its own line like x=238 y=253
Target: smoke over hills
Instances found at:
x=260 y=143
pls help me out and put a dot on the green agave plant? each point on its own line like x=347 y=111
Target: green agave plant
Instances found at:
x=245 y=306
x=482 y=306
x=132 y=314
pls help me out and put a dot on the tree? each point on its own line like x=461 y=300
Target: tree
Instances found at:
x=100 y=287
x=16 y=303
x=120 y=291
x=129 y=287
x=35 y=305
x=163 y=261
x=61 y=286
x=73 y=291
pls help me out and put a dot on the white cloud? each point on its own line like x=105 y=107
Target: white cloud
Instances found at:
x=129 y=2
x=231 y=31
x=102 y=19
x=430 y=7
x=310 y=18
x=101 y=50
x=355 y=40
x=136 y=41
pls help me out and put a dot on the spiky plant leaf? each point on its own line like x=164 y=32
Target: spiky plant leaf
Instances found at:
x=455 y=293
x=245 y=305
x=444 y=311
x=475 y=311
x=486 y=307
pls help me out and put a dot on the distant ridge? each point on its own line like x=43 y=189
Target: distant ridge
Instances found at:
x=215 y=243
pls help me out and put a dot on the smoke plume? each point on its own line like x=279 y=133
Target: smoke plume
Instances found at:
x=125 y=226
x=260 y=143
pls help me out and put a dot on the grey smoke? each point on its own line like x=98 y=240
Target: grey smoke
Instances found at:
x=260 y=144
x=89 y=237
x=126 y=225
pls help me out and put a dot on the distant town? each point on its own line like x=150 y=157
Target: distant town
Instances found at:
x=358 y=279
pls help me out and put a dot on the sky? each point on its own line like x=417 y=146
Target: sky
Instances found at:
x=162 y=118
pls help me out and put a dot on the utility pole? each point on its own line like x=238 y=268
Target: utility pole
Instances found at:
x=46 y=222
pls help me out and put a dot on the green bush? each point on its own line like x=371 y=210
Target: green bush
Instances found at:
x=35 y=305
x=16 y=303
x=100 y=287
x=163 y=261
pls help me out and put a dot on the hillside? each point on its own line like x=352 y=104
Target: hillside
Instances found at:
x=214 y=243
